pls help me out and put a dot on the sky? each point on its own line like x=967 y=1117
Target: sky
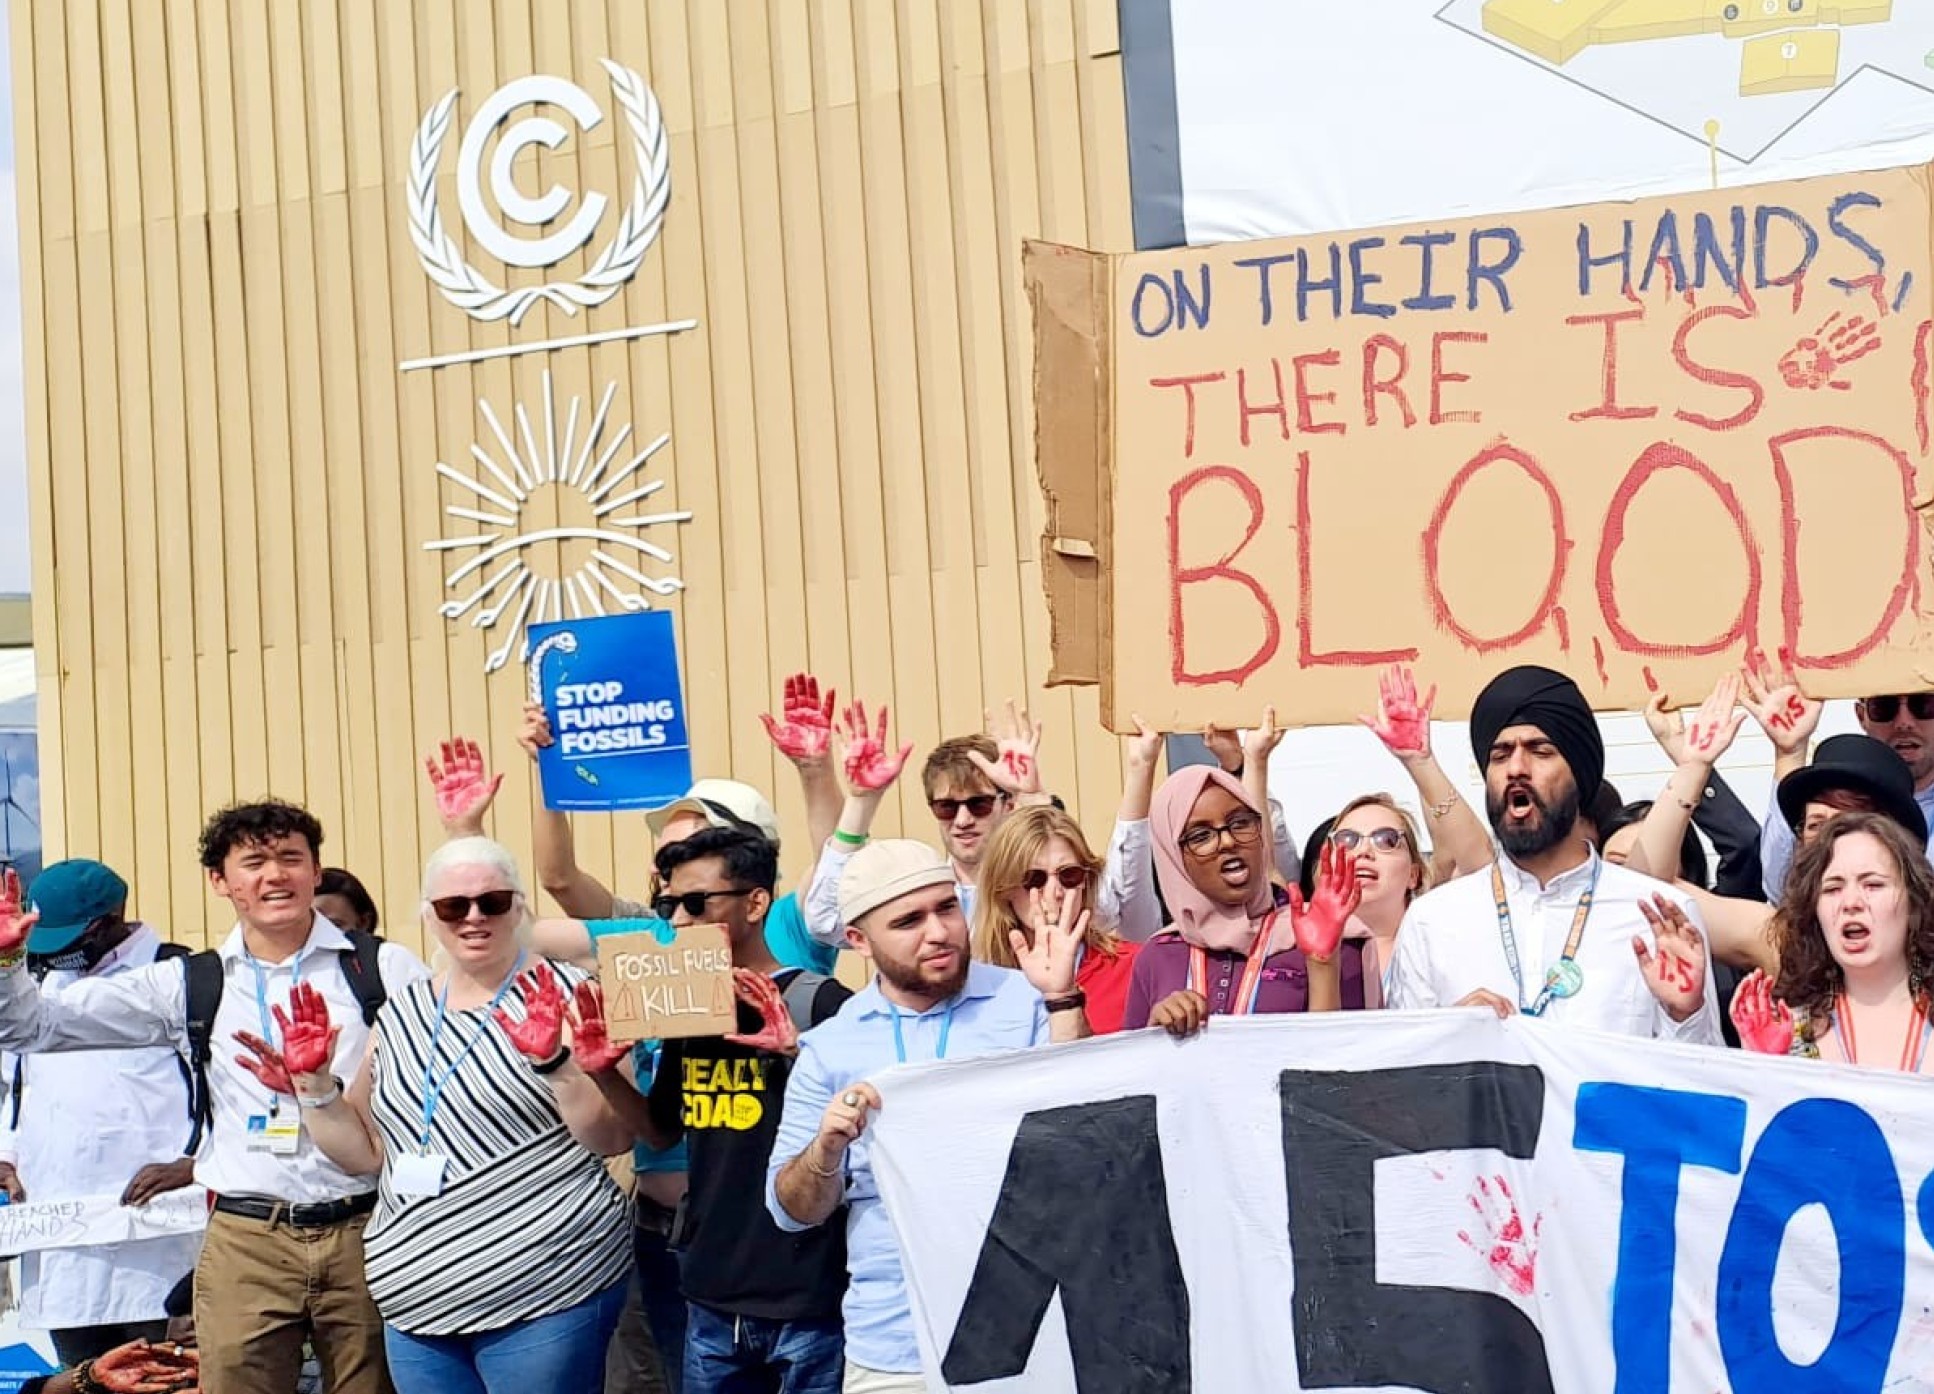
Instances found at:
x=15 y=568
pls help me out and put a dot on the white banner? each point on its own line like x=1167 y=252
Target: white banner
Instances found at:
x=72 y=1224
x=1428 y=1201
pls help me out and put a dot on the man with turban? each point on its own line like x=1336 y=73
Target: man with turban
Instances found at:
x=1553 y=929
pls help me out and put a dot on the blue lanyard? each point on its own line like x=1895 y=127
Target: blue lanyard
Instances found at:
x=900 y=1041
x=262 y=1002
x=1564 y=979
x=432 y=1082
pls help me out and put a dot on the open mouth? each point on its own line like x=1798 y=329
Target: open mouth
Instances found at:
x=1234 y=870
x=473 y=937
x=277 y=897
x=1855 y=936
x=1518 y=802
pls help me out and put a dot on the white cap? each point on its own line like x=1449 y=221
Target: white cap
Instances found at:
x=723 y=803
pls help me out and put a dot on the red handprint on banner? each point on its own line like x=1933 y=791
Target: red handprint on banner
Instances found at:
x=1511 y=1251
x=1816 y=360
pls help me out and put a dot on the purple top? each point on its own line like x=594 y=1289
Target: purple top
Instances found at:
x=1162 y=967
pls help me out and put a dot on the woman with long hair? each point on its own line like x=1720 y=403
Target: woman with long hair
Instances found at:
x=1855 y=938
x=1037 y=858
x=1391 y=871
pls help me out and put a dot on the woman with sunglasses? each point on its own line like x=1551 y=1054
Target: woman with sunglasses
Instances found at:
x=1035 y=860
x=1855 y=933
x=500 y=1248
x=1237 y=947
x=1391 y=871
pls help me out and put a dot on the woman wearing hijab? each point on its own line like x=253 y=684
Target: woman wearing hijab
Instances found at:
x=1235 y=948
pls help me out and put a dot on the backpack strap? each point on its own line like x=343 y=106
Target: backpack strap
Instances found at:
x=798 y=994
x=361 y=967
x=203 y=972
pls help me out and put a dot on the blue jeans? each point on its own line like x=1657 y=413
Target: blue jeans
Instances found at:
x=563 y=1351
x=725 y=1354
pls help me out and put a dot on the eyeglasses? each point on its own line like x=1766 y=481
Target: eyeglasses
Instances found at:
x=692 y=902
x=1383 y=839
x=1072 y=878
x=980 y=805
x=1881 y=710
x=1202 y=840
x=454 y=909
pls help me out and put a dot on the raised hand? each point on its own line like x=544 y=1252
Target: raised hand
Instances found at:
x=1145 y=746
x=777 y=1032
x=1016 y=767
x=15 y=924
x=141 y=1368
x=1319 y=927
x=463 y=785
x=1715 y=724
x=267 y=1064
x=1402 y=721
x=308 y=1040
x=1263 y=741
x=1668 y=728
x=804 y=729
x=535 y=734
x=591 y=1043
x=1225 y=743
x=870 y=766
x=1051 y=959
x=1181 y=1013
x=1788 y=716
x=1765 y=1023
x=1676 y=972
x=540 y=1035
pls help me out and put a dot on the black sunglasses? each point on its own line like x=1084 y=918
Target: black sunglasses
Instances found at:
x=980 y=805
x=694 y=902
x=453 y=909
x=1072 y=878
x=1920 y=705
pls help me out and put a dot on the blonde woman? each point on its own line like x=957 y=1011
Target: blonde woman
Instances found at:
x=1392 y=871
x=1037 y=858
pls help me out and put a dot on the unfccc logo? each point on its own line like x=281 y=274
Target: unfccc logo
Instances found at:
x=479 y=188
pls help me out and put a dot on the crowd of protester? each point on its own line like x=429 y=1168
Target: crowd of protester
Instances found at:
x=407 y=1164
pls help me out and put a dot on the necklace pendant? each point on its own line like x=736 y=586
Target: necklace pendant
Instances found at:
x=1565 y=979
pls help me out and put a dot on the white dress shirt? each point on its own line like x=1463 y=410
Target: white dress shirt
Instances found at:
x=1451 y=945
x=87 y=1124
x=149 y=1007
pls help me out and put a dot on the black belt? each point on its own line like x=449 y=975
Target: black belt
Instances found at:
x=318 y=1216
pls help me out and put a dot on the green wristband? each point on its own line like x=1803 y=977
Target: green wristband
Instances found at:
x=846 y=839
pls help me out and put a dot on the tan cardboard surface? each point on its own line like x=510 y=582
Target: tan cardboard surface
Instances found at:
x=1630 y=441
x=654 y=990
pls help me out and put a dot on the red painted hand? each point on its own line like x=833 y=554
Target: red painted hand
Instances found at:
x=267 y=1066
x=776 y=1032
x=870 y=766
x=1816 y=360
x=1676 y=972
x=140 y=1368
x=15 y=924
x=805 y=726
x=1764 y=1022
x=1402 y=721
x=1788 y=716
x=591 y=1043
x=1715 y=724
x=1506 y=1246
x=463 y=785
x=540 y=1034
x=308 y=1040
x=1319 y=928
x=1016 y=766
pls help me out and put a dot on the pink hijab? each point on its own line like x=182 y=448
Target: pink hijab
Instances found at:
x=1201 y=921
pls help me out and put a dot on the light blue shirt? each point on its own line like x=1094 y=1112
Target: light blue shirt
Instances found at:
x=1777 y=842
x=998 y=1009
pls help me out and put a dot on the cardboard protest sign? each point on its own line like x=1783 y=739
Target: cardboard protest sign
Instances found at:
x=610 y=688
x=1631 y=441
x=1432 y=1201
x=666 y=989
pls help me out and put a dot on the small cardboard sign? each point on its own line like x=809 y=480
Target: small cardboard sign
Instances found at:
x=659 y=989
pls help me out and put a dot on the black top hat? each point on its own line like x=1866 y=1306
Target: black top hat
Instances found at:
x=1864 y=765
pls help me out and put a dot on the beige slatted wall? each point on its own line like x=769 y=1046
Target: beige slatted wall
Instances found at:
x=231 y=481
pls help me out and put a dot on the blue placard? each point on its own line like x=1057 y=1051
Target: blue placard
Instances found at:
x=610 y=688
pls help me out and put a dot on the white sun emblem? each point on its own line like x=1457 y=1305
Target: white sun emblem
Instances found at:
x=586 y=495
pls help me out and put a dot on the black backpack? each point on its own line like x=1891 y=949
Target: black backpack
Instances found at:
x=205 y=982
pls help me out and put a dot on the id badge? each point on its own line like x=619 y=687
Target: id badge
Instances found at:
x=275 y=1134
x=418 y=1174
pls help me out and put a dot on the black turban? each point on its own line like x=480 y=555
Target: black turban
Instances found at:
x=1532 y=696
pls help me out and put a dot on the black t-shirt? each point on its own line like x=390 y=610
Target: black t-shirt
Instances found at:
x=728 y=1099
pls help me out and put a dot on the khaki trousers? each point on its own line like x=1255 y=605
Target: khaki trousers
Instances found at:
x=263 y=1286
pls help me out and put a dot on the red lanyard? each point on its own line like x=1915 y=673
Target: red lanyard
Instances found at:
x=1911 y=1049
x=1251 y=983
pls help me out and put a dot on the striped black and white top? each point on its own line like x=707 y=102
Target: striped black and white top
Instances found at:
x=529 y=1222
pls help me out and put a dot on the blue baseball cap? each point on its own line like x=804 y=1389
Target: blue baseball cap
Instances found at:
x=69 y=897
